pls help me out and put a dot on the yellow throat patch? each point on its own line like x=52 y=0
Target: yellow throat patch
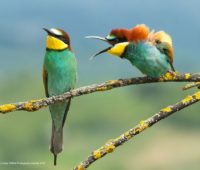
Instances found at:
x=55 y=44
x=118 y=49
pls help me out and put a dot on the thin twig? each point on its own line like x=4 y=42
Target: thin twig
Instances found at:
x=112 y=144
x=34 y=105
x=191 y=85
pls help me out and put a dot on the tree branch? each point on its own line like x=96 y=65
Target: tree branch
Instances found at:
x=191 y=85
x=112 y=144
x=34 y=105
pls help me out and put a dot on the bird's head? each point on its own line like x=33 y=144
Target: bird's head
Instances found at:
x=120 y=38
x=163 y=42
x=57 y=39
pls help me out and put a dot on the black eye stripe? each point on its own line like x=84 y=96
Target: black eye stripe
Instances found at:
x=158 y=41
x=60 y=37
x=118 y=40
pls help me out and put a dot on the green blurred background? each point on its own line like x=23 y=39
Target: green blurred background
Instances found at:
x=94 y=119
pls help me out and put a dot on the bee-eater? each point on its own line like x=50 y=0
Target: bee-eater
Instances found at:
x=151 y=53
x=59 y=76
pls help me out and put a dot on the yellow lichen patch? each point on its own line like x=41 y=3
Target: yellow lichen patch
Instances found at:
x=143 y=125
x=7 y=108
x=187 y=76
x=169 y=76
x=197 y=95
x=80 y=167
x=187 y=99
x=97 y=154
x=175 y=73
x=109 y=147
x=136 y=130
x=112 y=82
x=127 y=135
x=104 y=88
x=167 y=109
x=30 y=105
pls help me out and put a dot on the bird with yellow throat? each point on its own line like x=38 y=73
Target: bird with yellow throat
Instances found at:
x=152 y=53
x=59 y=76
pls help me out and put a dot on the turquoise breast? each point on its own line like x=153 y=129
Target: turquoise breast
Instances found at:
x=61 y=70
x=61 y=77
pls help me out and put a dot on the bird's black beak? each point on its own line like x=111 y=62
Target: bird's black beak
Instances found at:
x=48 y=31
x=102 y=39
x=97 y=37
x=45 y=29
x=117 y=48
x=100 y=52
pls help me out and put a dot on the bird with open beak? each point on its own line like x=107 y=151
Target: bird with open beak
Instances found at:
x=151 y=53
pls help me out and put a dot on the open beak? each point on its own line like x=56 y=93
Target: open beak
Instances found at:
x=116 y=49
x=102 y=39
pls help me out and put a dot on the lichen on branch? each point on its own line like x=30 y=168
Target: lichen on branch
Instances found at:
x=191 y=85
x=34 y=105
x=112 y=144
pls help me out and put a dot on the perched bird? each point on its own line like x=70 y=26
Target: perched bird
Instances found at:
x=59 y=76
x=151 y=53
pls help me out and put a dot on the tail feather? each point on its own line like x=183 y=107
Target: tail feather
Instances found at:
x=66 y=111
x=57 y=135
x=55 y=160
x=56 y=142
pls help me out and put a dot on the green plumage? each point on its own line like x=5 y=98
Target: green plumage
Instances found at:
x=147 y=58
x=60 y=71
